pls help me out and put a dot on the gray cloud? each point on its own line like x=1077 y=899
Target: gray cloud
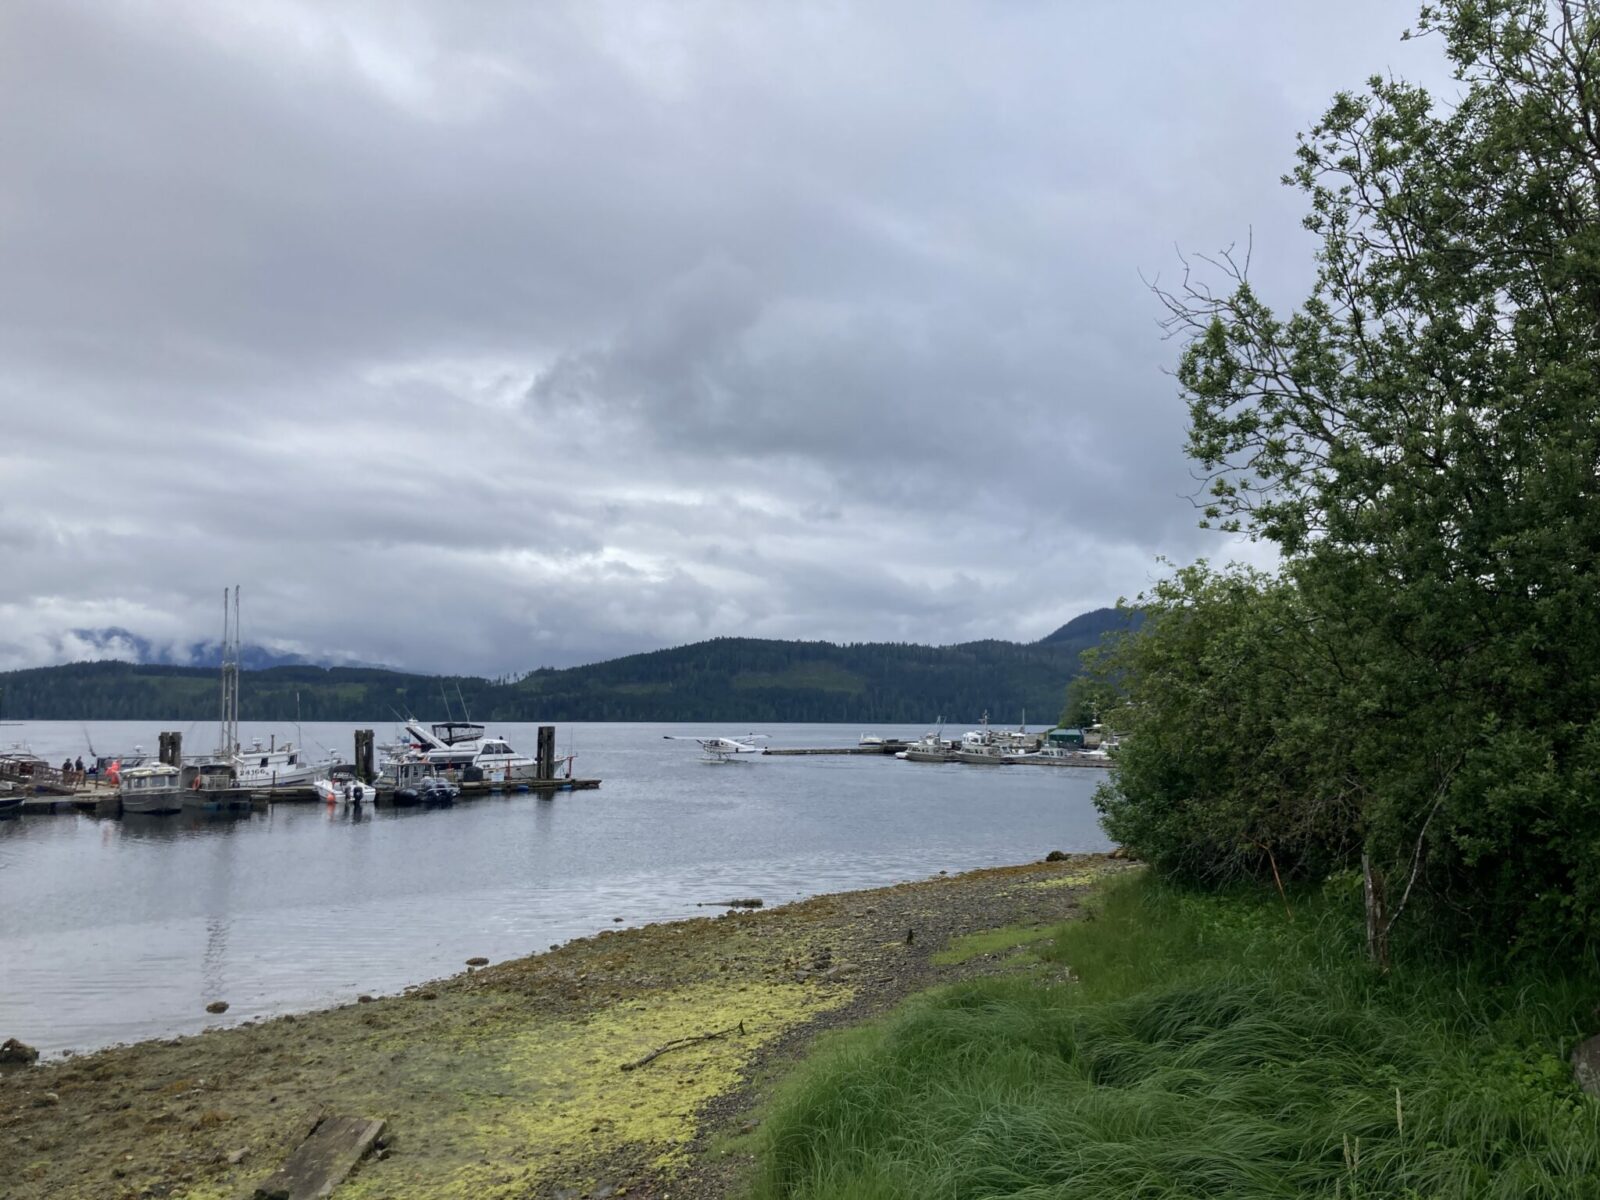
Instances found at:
x=497 y=335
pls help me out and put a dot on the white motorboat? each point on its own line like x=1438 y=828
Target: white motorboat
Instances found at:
x=344 y=787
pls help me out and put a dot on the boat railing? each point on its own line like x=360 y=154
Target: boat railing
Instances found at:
x=41 y=776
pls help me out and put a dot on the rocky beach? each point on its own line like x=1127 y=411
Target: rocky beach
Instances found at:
x=627 y=1063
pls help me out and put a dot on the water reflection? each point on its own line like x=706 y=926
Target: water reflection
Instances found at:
x=121 y=929
x=177 y=826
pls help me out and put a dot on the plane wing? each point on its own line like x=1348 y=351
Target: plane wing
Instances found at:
x=720 y=745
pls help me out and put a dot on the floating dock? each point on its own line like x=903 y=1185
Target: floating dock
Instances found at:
x=471 y=788
x=47 y=790
x=104 y=802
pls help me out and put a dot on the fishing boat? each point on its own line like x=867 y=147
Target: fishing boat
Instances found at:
x=986 y=746
x=213 y=785
x=930 y=747
x=982 y=746
x=152 y=790
x=274 y=766
x=260 y=768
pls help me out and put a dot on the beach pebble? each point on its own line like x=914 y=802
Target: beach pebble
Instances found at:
x=238 y=1156
x=217 y=1006
x=363 y=999
x=477 y=960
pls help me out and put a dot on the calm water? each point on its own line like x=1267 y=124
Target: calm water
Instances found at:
x=116 y=930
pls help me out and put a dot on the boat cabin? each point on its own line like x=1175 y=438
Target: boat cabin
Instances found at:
x=155 y=778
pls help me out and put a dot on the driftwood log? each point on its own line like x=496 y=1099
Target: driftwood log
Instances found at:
x=680 y=1043
x=330 y=1152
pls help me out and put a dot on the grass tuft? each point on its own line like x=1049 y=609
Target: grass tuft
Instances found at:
x=1212 y=1048
x=991 y=941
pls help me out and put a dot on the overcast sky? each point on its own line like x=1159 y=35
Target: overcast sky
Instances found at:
x=493 y=335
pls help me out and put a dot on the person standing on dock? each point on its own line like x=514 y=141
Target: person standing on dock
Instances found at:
x=78 y=767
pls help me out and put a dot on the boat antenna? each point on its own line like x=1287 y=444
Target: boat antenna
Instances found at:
x=443 y=695
x=465 y=715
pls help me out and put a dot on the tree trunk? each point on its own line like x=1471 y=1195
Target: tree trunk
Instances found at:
x=1377 y=915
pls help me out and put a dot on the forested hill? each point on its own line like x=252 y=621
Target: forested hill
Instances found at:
x=725 y=679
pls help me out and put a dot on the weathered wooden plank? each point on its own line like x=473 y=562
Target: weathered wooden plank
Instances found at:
x=320 y=1163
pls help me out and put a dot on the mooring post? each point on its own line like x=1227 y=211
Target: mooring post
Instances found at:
x=366 y=758
x=175 y=741
x=547 y=752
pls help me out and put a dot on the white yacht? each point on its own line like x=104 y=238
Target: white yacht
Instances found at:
x=460 y=745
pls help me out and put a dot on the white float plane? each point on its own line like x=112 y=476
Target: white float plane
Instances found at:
x=719 y=749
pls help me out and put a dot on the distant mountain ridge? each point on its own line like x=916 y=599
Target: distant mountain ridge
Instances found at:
x=123 y=645
x=724 y=679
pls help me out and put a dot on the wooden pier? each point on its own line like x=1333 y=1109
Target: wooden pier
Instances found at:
x=102 y=801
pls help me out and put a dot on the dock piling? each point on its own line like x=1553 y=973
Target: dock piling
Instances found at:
x=547 y=752
x=366 y=758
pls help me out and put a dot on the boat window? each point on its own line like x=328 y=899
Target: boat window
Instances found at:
x=263 y=762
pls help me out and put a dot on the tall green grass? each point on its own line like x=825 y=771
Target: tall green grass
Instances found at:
x=1207 y=1047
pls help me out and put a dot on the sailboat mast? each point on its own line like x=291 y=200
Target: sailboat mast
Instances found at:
x=222 y=716
x=229 y=732
x=237 y=651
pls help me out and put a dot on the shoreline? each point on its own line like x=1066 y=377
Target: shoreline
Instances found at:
x=505 y=1080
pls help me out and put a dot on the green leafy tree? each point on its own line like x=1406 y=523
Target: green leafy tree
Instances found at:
x=1228 y=766
x=1421 y=440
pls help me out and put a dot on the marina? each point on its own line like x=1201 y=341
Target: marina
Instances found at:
x=118 y=929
